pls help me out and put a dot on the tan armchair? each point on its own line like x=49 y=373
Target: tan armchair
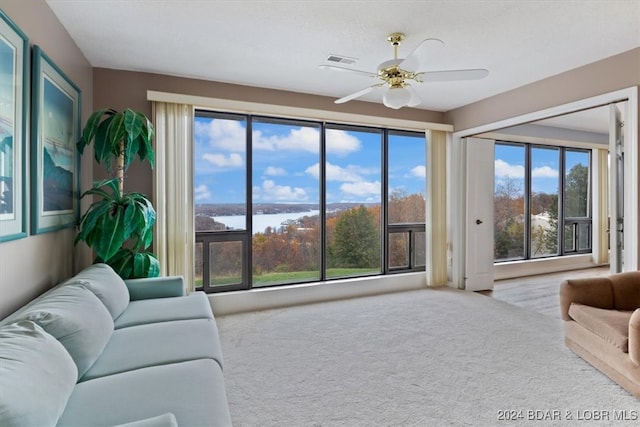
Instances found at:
x=602 y=324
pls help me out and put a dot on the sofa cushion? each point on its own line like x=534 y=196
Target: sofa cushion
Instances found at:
x=37 y=376
x=105 y=283
x=610 y=325
x=194 y=306
x=193 y=391
x=77 y=318
x=164 y=420
x=157 y=344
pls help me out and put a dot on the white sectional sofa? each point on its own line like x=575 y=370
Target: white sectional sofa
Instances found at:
x=99 y=351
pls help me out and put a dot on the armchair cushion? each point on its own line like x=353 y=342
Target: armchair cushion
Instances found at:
x=594 y=292
x=37 y=376
x=610 y=325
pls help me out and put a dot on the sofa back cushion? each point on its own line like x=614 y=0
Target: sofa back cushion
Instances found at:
x=37 y=376
x=77 y=318
x=626 y=290
x=105 y=283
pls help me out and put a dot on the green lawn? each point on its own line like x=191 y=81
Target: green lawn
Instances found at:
x=290 y=277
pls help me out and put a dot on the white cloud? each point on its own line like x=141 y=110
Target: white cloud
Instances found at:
x=273 y=171
x=341 y=142
x=229 y=135
x=220 y=160
x=201 y=192
x=307 y=139
x=279 y=193
x=300 y=139
x=419 y=171
x=361 y=188
x=505 y=170
x=544 y=172
x=335 y=173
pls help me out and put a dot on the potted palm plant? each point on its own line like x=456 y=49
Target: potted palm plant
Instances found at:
x=118 y=226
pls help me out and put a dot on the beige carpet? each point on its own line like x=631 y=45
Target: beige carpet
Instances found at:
x=419 y=358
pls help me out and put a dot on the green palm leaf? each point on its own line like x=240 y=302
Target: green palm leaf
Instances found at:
x=117 y=224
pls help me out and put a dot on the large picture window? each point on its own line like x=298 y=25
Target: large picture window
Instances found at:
x=542 y=201
x=282 y=201
x=353 y=176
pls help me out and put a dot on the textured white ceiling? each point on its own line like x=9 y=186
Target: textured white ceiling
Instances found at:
x=280 y=44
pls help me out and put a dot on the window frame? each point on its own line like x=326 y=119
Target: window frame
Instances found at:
x=562 y=220
x=246 y=236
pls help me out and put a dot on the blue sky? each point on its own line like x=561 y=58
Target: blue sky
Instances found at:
x=286 y=163
x=509 y=163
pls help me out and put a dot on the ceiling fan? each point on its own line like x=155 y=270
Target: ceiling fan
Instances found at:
x=395 y=75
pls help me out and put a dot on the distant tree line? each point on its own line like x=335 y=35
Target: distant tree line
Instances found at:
x=353 y=239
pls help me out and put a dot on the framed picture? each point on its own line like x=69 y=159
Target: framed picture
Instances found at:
x=55 y=129
x=14 y=85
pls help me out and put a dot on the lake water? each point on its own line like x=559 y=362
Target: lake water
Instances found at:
x=260 y=222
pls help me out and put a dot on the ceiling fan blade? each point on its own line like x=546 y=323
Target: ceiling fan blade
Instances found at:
x=350 y=70
x=452 y=75
x=412 y=61
x=415 y=99
x=357 y=94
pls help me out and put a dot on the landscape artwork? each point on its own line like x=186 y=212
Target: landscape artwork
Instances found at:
x=7 y=125
x=55 y=130
x=14 y=67
x=58 y=149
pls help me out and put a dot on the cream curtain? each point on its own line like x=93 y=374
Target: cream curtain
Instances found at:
x=436 y=221
x=600 y=206
x=173 y=190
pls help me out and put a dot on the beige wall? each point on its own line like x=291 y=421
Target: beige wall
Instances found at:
x=31 y=265
x=608 y=75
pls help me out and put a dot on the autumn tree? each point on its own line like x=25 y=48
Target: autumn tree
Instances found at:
x=406 y=208
x=509 y=219
x=356 y=240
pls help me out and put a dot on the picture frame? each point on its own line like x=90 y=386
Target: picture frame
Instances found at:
x=14 y=88
x=55 y=130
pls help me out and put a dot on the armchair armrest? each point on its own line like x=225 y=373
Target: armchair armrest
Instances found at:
x=634 y=337
x=594 y=291
x=155 y=287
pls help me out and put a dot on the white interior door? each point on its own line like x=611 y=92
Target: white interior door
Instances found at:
x=616 y=190
x=479 y=220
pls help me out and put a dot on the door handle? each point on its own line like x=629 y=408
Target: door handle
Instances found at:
x=478 y=222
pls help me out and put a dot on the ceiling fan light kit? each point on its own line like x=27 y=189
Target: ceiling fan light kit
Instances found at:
x=396 y=97
x=394 y=77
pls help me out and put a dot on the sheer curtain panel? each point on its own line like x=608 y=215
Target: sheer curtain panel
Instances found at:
x=173 y=190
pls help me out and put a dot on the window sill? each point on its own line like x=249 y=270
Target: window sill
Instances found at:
x=289 y=295
x=513 y=269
